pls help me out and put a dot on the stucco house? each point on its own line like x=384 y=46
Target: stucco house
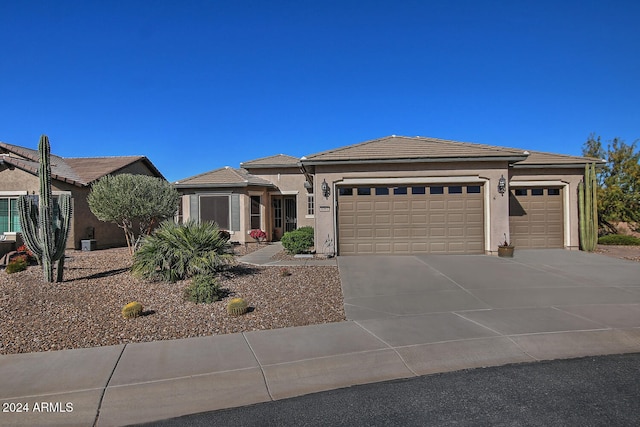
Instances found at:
x=74 y=176
x=398 y=195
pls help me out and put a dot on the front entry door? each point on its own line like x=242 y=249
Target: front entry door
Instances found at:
x=284 y=215
x=290 y=214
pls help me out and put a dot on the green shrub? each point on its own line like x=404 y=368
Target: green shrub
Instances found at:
x=179 y=251
x=618 y=239
x=17 y=264
x=298 y=241
x=204 y=288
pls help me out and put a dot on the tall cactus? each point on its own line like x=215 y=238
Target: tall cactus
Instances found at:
x=588 y=209
x=45 y=230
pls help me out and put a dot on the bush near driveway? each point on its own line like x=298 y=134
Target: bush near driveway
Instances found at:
x=179 y=251
x=619 y=239
x=298 y=241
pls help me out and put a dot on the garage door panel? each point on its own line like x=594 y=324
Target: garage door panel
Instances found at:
x=536 y=221
x=455 y=205
x=411 y=223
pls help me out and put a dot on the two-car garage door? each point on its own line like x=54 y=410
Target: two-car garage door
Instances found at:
x=384 y=219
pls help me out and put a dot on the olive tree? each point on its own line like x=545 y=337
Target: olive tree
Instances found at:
x=134 y=202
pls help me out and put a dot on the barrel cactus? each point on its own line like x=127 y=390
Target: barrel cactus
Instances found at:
x=237 y=306
x=131 y=310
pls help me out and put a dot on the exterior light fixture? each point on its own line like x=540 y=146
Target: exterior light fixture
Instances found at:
x=326 y=191
x=502 y=185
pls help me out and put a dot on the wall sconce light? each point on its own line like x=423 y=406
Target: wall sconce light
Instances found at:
x=326 y=191
x=502 y=185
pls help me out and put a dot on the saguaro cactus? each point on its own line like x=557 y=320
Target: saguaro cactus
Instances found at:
x=45 y=230
x=588 y=209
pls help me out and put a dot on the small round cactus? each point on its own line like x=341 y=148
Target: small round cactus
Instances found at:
x=131 y=310
x=236 y=307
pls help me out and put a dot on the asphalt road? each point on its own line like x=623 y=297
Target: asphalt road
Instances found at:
x=593 y=391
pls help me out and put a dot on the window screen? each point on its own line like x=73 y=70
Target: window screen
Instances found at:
x=215 y=209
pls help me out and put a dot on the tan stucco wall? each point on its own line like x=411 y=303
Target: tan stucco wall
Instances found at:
x=242 y=235
x=106 y=234
x=568 y=176
x=489 y=173
x=289 y=181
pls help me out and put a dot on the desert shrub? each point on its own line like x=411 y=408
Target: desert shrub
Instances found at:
x=179 y=251
x=204 y=288
x=618 y=239
x=131 y=310
x=17 y=264
x=298 y=241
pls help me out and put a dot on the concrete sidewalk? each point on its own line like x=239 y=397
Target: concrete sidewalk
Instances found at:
x=408 y=316
x=264 y=256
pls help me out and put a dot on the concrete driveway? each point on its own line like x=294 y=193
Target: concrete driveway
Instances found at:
x=542 y=303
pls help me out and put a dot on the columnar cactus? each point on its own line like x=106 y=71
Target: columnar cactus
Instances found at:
x=45 y=230
x=588 y=209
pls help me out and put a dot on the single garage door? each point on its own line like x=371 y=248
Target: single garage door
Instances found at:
x=413 y=219
x=536 y=217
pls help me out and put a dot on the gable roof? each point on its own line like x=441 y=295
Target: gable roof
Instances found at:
x=223 y=177
x=79 y=171
x=277 y=161
x=402 y=149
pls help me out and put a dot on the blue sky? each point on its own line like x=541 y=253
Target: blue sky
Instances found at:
x=197 y=85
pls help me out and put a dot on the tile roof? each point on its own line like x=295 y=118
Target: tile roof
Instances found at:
x=539 y=158
x=400 y=148
x=80 y=171
x=223 y=177
x=279 y=160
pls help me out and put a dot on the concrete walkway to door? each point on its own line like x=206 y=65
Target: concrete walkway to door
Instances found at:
x=446 y=312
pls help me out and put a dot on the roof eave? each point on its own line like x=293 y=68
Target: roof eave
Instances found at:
x=234 y=185
x=270 y=166
x=552 y=165
x=417 y=160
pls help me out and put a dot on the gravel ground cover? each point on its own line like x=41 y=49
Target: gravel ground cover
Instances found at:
x=84 y=310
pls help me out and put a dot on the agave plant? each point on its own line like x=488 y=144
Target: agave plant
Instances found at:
x=179 y=251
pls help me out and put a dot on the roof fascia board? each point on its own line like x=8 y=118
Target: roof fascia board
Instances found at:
x=552 y=165
x=417 y=160
x=238 y=185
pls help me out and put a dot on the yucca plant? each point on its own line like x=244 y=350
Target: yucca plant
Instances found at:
x=179 y=251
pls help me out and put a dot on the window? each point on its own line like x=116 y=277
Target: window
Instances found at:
x=215 y=209
x=455 y=189
x=553 y=191
x=9 y=216
x=418 y=190
x=436 y=190
x=311 y=205
x=382 y=191
x=362 y=191
x=346 y=191
x=255 y=213
x=473 y=189
x=537 y=191
x=277 y=213
x=521 y=191
x=400 y=190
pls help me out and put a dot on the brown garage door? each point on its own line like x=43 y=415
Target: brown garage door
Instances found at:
x=536 y=218
x=412 y=219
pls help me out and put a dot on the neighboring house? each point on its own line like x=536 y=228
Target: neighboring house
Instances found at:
x=399 y=195
x=74 y=176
